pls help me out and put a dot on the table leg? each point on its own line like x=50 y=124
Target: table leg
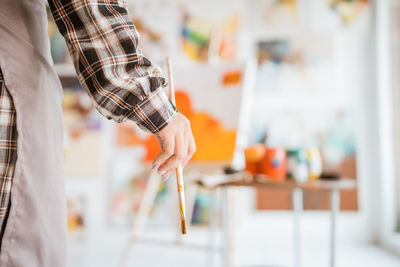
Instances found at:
x=335 y=203
x=212 y=228
x=228 y=230
x=297 y=199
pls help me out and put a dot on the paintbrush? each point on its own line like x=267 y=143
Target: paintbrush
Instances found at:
x=179 y=175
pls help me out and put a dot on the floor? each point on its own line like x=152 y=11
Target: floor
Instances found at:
x=263 y=239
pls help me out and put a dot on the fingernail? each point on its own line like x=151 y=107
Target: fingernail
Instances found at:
x=165 y=178
x=162 y=173
x=155 y=166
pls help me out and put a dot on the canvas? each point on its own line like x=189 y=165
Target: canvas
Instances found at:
x=200 y=90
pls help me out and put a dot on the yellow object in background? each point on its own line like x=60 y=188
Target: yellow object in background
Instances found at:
x=349 y=10
x=315 y=163
x=191 y=50
x=75 y=215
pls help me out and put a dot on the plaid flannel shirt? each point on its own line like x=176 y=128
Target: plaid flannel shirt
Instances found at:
x=103 y=44
x=123 y=84
x=8 y=151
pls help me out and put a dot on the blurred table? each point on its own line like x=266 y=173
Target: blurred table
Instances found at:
x=260 y=181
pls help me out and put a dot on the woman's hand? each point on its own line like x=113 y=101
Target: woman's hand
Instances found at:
x=177 y=144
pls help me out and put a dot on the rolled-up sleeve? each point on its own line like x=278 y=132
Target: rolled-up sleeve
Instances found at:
x=103 y=43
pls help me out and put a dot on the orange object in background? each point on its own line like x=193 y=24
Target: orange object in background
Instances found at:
x=214 y=141
x=274 y=163
x=254 y=156
x=152 y=148
x=232 y=77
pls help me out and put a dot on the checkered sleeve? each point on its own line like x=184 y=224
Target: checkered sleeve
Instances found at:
x=103 y=44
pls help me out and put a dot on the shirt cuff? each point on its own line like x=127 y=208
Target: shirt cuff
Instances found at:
x=154 y=112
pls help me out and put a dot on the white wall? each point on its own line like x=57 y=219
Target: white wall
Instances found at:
x=355 y=76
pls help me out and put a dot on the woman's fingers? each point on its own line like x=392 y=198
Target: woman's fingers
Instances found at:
x=186 y=159
x=177 y=158
x=168 y=148
x=186 y=147
x=177 y=144
x=191 y=148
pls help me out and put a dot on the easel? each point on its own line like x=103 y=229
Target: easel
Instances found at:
x=154 y=181
x=147 y=203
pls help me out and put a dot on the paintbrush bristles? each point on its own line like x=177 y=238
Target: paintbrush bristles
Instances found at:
x=182 y=211
x=183 y=227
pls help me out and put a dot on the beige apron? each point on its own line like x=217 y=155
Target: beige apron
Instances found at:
x=35 y=233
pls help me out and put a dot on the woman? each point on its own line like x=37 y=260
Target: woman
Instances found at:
x=123 y=85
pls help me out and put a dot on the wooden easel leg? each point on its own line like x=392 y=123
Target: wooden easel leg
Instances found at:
x=142 y=215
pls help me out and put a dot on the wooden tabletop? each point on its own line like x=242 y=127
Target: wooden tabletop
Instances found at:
x=261 y=181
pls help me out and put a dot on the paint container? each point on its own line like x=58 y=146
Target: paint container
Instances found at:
x=291 y=161
x=274 y=163
x=314 y=163
x=297 y=165
x=254 y=156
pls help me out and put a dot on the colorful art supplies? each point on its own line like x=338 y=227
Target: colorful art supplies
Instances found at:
x=232 y=77
x=274 y=163
x=297 y=164
x=291 y=159
x=348 y=10
x=253 y=156
x=206 y=40
x=314 y=163
x=300 y=164
x=179 y=175
x=195 y=38
x=76 y=216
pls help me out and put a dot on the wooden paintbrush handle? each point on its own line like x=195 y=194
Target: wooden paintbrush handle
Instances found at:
x=179 y=173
